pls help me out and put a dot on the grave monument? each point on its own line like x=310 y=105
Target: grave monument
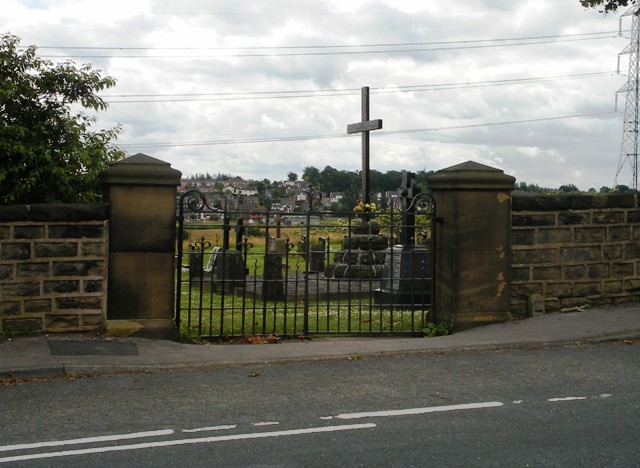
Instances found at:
x=408 y=267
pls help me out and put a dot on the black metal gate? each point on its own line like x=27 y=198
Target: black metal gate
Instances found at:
x=245 y=273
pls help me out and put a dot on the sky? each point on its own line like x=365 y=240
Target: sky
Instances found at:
x=260 y=89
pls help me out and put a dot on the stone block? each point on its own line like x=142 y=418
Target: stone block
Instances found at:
x=554 y=236
x=533 y=256
x=56 y=249
x=15 y=251
x=518 y=310
x=37 y=306
x=632 y=250
x=620 y=270
x=65 y=322
x=613 y=287
x=535 y=305
x=520 y=274
x=609 y=217
x=33 y=270
x=5 y=232
x=619 y=233
x=612 y=252
x=593 y=288
x=590 y=235
x=20 y=289
x=9 y=308
x=572 y=218
x=76 y=231
x=598 y=271
x=547 y=273
x=91 y=321
x=551 y=304
x=14 y=213
x=6 y=272
x=28 y=232
x=573 y=272
x=522 y=220
x=526 y=290
x=23 y=324
x=632 y=285
x=633 y=216
x=92 y=286
x=558 y=289
x=523 y=236
x=62 y=286
x=92 y=249
x=68 y=212
x=579 y=254
x=79 y=268
x=86 y=303
x=529 y=202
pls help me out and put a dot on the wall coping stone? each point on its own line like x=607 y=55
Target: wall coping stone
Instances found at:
x=470 y=175
x=141 y=170
x=525 y=201
x=69 y=212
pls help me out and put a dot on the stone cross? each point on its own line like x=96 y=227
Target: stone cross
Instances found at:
x=409 y=190
x=364 y=127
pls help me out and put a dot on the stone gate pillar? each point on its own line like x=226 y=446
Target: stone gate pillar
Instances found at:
x=473 y=246
x=141 y=194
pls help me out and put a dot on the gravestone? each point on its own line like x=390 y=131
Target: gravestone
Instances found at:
x=317 y=252
x=272 y=281
x=406 y=276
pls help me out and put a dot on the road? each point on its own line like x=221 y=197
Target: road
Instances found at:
x=568 y=406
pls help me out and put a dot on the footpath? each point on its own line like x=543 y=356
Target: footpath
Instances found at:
x=79 y=354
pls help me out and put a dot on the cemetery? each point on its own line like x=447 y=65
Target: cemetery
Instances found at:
x=496 y=256
x=466 y=253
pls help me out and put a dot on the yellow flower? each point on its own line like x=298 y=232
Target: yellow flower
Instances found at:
x=365 y=207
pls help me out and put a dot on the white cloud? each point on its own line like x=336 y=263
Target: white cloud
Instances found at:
x=221 y=42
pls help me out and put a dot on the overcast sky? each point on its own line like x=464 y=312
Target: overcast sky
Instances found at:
x=263 y=88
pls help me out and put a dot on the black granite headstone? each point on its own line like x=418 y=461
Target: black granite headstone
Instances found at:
x=406 y=277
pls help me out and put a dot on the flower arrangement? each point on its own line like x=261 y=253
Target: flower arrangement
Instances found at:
x=362 y=207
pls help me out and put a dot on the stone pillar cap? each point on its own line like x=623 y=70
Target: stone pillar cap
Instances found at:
x=470 y=175
x=140 y=169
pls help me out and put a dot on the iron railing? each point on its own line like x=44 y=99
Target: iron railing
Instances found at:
x=243 y=273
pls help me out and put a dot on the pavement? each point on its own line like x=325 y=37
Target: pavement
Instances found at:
x=51 y=355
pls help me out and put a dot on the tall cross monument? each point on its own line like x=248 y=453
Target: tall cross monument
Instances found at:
x=364 y=127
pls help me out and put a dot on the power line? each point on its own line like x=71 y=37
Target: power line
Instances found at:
x=336 y=46
x=324 y=137
x=263 y=95
x=350 y=52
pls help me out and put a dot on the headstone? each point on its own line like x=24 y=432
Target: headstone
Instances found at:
x=272 y=281
x=318 y=256
x=406 y=277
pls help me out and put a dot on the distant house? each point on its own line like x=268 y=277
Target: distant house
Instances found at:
x=335 y=197
x=245 y=192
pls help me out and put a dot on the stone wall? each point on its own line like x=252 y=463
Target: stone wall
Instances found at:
x=52 y=267
x=573 y=250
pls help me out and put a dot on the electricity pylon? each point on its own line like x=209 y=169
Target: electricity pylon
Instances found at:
x=629 y=149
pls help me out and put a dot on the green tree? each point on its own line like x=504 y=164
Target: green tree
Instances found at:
x=311 y=175
x=608 y=6
x=292 y=176
x=49 y=153
x=568 y=188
